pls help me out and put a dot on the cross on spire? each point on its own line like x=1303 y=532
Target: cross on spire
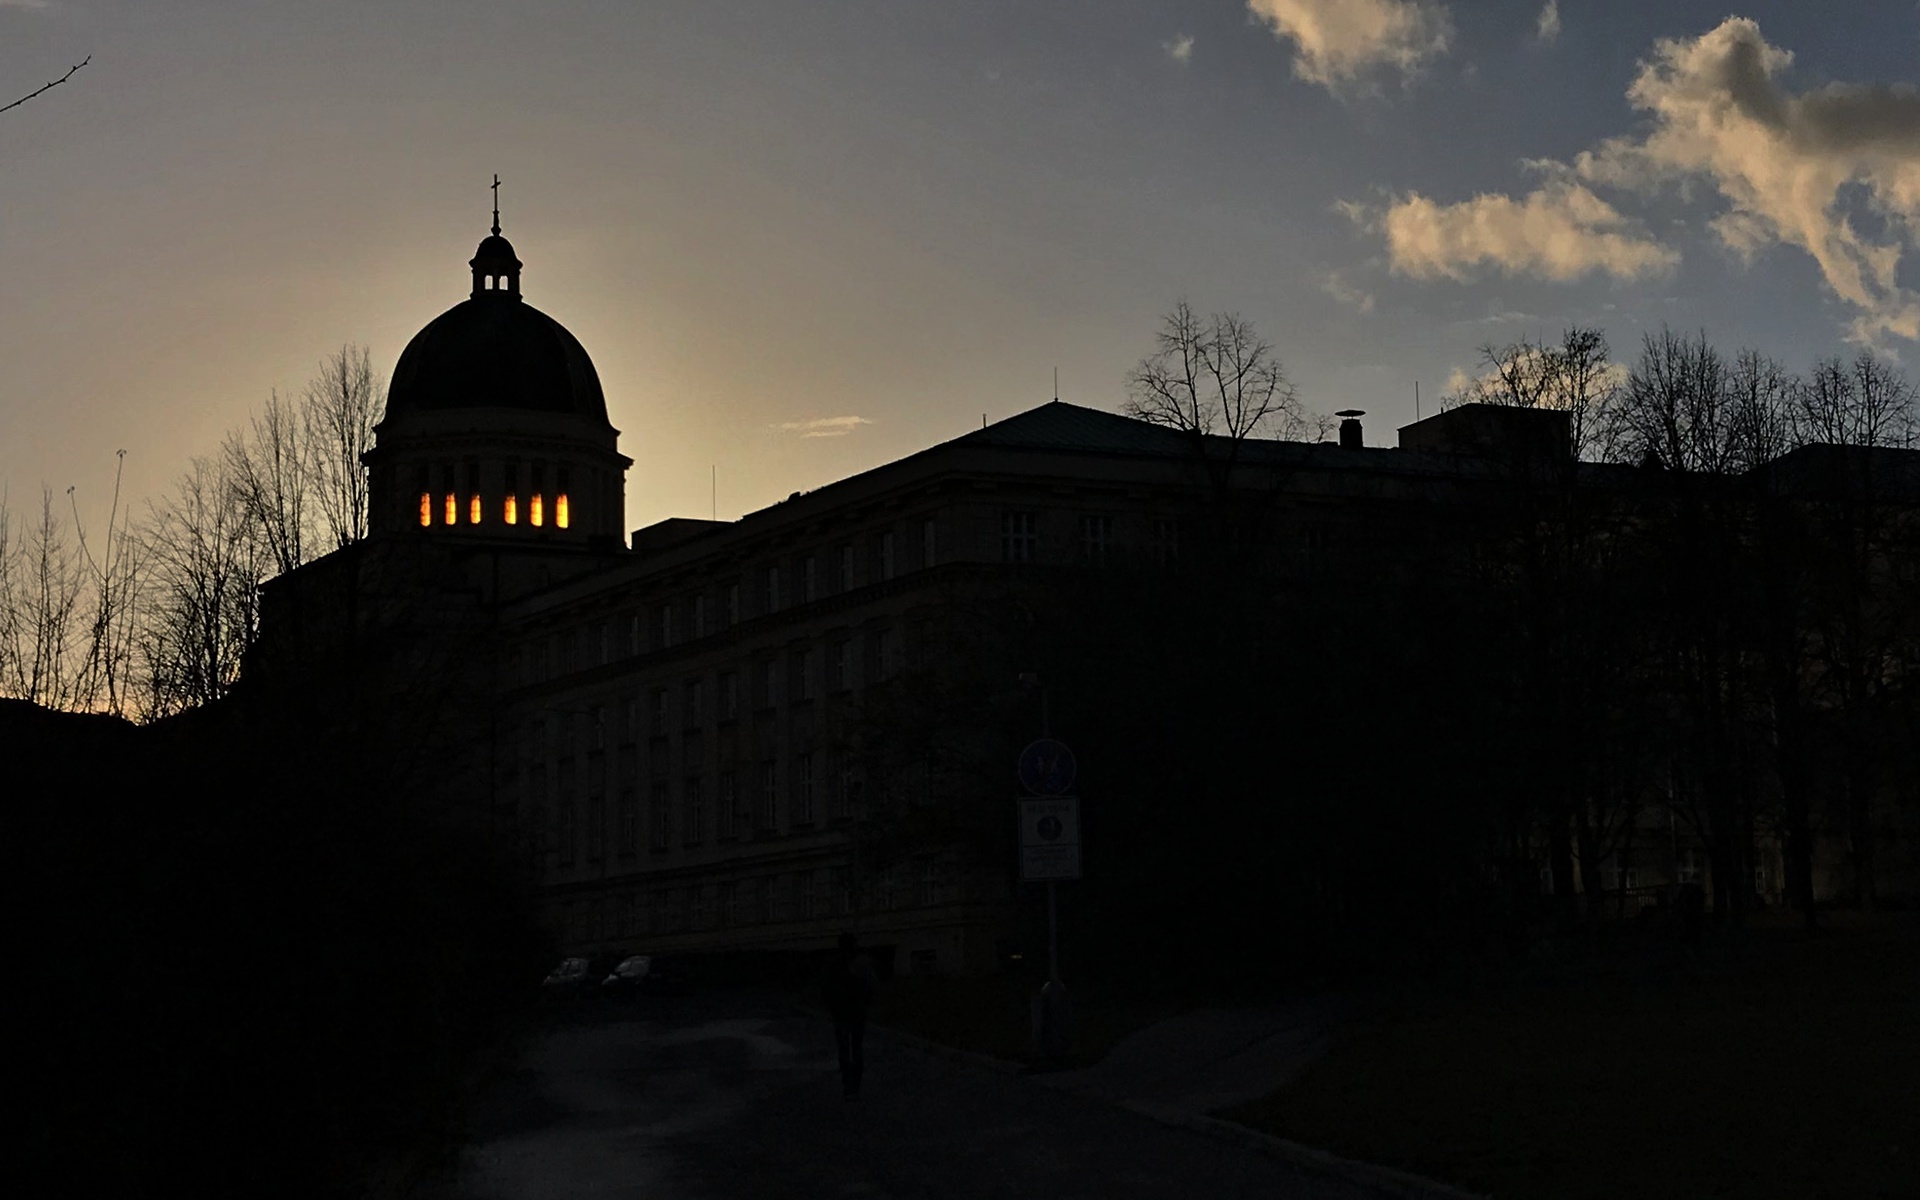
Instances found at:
x=496 y=206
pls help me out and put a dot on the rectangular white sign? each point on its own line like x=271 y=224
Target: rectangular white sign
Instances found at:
x=1049 y=838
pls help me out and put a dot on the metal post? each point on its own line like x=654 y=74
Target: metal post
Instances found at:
x=1053 y=934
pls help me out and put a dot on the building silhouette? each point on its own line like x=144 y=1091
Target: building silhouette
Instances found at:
x=713 y=736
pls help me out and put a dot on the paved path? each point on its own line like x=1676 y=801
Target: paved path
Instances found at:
x=736 y=1096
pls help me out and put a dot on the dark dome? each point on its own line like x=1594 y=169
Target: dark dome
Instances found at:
x=496 y=352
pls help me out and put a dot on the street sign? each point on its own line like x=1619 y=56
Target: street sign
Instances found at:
x=1049 y=838
x=1047 y=767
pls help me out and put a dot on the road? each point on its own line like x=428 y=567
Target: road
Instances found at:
x=735 y=1095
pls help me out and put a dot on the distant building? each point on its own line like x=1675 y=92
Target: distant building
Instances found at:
x=683 y=730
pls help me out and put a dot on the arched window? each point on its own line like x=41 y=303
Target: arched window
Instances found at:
x=510 y=510
x=560 y=514
x=426 y=509
x=536 y=511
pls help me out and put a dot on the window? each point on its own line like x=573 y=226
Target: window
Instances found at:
x=1096 y=539
x=700 y=616
x=769 y=684
x=1691 y=867
x=926 y=882
x=603 y=643
x=1017 y=538
x=770 y=602
x=841 y=656
x=560 y=514
x=729 y=902
x=568 y=641
x=664 y=626
x=923 y=962
x=841 y=797
x=695 y=822
x=426 y=508
x=629 y=822
x=1165 y=544
x=536 y=503
x=662 y=833
x=810 y=578
x=657 y=719
x=803 y=789
x=725 y=805
x=729 y=696
x=883 y=554
x=597 y=727
x=629 y=720
x=846 y=568
x=453 y=509
x=926 y=543
x=840 y=890
x=510 y=506
x=633 y=634
x=883 y=654
x=564 y=835
x=803 y=676
x=695 y=707
x=596 y=828
x=733 y=603
x=769 y=795
x=804 y=893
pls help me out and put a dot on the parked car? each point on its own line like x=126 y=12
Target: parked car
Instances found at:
x=571 y=980
x=628 y=977
x=647 y=975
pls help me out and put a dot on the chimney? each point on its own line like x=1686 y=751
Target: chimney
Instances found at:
x=1350 y=438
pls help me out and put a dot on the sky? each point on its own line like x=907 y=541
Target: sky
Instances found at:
x=803 y=239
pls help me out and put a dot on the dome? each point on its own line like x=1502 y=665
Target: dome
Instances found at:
x=496 y=351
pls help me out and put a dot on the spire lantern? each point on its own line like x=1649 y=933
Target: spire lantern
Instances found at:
x=496 y=269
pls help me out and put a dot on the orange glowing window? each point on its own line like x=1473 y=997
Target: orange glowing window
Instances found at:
x=536 y=511
x=473 y=511
x=426 y=508
x=453 y=509
x=510 y=513
x=560 y=510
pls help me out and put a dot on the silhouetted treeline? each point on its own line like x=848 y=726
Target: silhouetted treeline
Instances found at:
x=259 y=960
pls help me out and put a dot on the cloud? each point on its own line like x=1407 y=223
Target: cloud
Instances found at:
x=1560 y=231
x=1358 y=299
x=1337 y=41
x=1794 y=169
x=820 y=427
x=1179 y=48
x=1546 y=28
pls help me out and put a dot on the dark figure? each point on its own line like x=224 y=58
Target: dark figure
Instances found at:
x=848 y=985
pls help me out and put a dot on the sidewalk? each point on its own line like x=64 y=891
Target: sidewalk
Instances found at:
x=1181 y=1070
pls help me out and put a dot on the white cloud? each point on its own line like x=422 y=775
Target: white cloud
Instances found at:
x=1179 y=48
x=1336 y=41
x=1794 y=169
x=1560 y=231
x=1546 y=27
x=1358 y=299
x=820 y=427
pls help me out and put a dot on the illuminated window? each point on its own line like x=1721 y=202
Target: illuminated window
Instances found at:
x=473 y=493
x=453 y=509
x=560 y=510
x=510 y=512
x=536 y=511
x=426 y=508
x=473 y=510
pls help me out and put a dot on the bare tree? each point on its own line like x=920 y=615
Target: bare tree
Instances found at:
x=40 y=587
x=342 y=405
x=1866 y=402
x=271 y=465
x=1576 y=377
x=208 y=559
x=114 y=577
x=1217 y=375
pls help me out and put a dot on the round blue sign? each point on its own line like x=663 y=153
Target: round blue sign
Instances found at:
x=1047 y=768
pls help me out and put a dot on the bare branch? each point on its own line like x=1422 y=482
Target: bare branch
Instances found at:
x=51 y=84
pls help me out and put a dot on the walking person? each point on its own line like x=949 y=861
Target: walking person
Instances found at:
x=848 y=985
